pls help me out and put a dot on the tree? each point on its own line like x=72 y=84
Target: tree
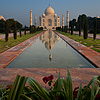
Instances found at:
x=2 y=26
x=71 y=29
x=20 y=30
x=84 y=18
x=6 y=31
x=15 y=29
x=95 y=29
x=72 y=24
x=34 y=29
x=11 y=23
x=65 y=29
x=25 y=30
x=62 y=28
x=79 y=23
x=85 y=36
x=31 y=29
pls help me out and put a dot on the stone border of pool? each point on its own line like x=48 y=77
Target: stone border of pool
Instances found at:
x=89 y=54
x=9 y=55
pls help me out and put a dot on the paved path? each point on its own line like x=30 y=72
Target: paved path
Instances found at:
x=10 y=34
x=79 y=75
x=89 y=35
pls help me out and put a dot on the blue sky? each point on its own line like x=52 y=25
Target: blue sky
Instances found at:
x=20 y=9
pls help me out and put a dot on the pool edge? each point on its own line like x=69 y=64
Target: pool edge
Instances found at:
x=9 y=55
x=89 y=54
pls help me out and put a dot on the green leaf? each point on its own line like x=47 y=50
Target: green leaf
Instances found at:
x=17 y=88
x=91 y=81
x=69 y=87
x=59 y=82
x=79 y=92
x=24 y=97
x=98 y=80
x=38 y=89
x=86 y=89
x=94 y=91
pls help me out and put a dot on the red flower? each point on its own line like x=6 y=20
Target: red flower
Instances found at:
x=54 y=84
x=57 y=98
x=97 y=97
x=45 y=79
x=76 y=88
x=75 y=92
x=50 y=77
x=10 y=87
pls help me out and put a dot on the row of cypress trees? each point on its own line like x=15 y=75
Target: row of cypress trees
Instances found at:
x=83 y=20
x=14 y=33
x=63 y=29
x=32 y=29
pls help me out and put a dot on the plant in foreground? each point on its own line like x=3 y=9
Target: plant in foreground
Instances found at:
x=62 y=90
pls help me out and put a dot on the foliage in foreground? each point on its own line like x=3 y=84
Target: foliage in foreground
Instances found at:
x=61 y=90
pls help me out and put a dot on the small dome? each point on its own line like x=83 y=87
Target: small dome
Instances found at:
x=55 y=15
x=98 y=17
x=1 y=17
x=43 y=15
x=49 y=11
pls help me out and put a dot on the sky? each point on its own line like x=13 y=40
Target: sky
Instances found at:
x=20 y=9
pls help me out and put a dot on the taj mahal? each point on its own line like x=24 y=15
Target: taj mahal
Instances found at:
x=49 y=20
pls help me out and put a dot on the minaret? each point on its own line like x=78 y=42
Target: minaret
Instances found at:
x=63 y=20
x=35 y=20
x=31 y=23
x=39 y=21
x=68 y=19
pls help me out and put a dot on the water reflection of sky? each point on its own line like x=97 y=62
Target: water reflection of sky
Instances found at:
x=49 y=51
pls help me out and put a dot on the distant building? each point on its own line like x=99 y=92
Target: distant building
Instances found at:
x=98 y=17
x=1 y=17
x=49 y=20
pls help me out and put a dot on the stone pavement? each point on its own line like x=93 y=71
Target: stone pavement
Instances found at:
x=11 y=34
x=89 y=35
x=79 y=75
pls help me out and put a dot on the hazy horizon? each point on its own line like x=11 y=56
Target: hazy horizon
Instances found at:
x=20 y=9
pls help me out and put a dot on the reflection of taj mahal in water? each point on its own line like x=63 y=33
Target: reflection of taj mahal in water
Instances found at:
x=50 y=20
x=49 y=38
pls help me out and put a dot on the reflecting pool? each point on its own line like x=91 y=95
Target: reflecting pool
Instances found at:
x=50 y=51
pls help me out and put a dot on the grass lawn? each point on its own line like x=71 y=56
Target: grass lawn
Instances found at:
x=95 y=45
x=2 y=33
x=11 y=42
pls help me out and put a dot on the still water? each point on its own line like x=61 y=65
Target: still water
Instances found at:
x=50 y=51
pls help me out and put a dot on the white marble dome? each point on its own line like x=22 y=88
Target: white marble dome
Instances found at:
x=43 y=15
x=55 y=15
x=1 y=17
x=49 y=11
